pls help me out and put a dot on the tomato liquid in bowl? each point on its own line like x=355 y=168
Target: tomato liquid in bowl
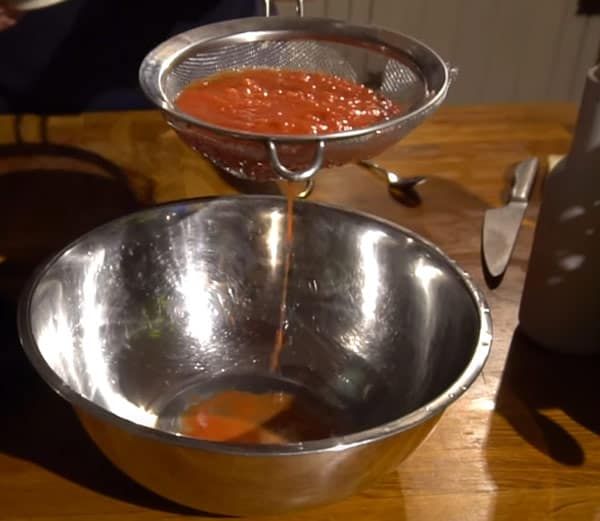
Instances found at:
x=262 y=409
x=234 y=416
x=273 y=102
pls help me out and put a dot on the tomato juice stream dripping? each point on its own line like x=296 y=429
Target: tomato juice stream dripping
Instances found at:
x=289 y=238
x=242 y=416
x=274 y=102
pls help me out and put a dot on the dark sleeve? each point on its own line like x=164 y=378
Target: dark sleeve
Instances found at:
x=588 y=7
x=87 y=52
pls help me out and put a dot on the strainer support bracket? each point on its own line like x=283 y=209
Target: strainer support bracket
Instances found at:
x=290 y=175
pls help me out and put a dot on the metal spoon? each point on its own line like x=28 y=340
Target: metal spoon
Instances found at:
x=395 y=182
x=401 y=189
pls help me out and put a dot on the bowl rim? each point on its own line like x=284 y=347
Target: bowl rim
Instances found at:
x=418 y=416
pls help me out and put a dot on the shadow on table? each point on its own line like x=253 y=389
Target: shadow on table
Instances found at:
x=49 y=195
x=535 y=380
x=41 y=427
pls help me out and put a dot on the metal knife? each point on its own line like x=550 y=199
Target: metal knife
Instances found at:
x=501 y=225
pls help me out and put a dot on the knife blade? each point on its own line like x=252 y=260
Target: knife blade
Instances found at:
x=501 y=225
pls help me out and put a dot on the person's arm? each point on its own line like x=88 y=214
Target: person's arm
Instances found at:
x=8 y=16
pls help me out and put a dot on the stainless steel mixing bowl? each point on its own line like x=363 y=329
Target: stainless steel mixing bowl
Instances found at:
x=143 y=314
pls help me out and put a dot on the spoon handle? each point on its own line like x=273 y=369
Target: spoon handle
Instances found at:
x=394 y=180
x=371 y=165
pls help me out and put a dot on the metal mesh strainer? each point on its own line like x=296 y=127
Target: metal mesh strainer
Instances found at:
x=401 y=68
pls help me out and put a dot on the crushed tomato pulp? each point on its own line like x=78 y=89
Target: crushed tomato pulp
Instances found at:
x=273 y=101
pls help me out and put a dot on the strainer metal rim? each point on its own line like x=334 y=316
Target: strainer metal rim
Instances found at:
x=428 y=411
x=154 y=66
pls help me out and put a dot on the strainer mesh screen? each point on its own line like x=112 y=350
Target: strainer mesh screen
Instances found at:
x=387 y=75
x=396 y=66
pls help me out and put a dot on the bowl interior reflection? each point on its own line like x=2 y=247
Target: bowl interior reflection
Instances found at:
x=155 y=310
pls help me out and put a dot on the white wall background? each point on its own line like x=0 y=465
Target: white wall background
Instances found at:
x=506 y=50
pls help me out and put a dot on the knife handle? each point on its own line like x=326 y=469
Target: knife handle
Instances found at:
x=524 y=178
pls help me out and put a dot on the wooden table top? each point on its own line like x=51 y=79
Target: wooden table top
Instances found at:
x=522 y=443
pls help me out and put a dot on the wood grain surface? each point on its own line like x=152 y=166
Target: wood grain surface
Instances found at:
x=522 y=443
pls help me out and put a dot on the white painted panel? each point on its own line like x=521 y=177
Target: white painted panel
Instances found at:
x=472 y=49
x=565 y=54
x=506 y=50
x=359 y=12
x=401 y=15
x=311 y=7
x=440 y=25
x=538 y=53
x=286 y=7
x=315 y=7
x=338 y=9
x=512 y=19
x=588 y=56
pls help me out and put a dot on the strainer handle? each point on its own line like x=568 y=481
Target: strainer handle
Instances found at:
x=290 y=175
x=299 y=7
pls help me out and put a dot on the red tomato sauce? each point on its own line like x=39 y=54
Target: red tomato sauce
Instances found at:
x=270 y=101
x=235 y=416
x=251 y=418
